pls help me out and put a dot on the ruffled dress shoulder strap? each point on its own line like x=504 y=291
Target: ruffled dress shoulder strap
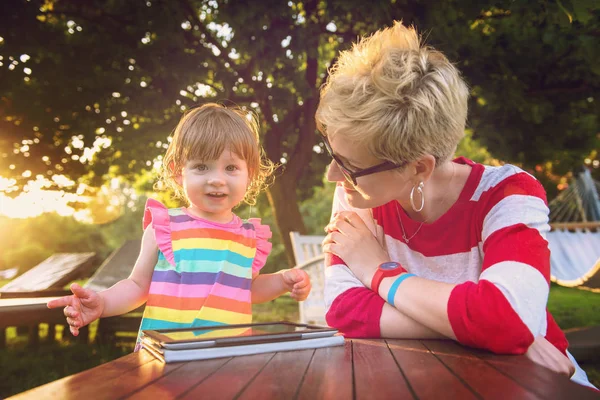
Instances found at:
x=263 y=245
x=157 y=214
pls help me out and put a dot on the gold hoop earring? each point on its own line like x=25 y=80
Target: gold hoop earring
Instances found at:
x=419 y=189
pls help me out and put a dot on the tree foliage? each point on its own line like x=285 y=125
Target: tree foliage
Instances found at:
x=92 y=89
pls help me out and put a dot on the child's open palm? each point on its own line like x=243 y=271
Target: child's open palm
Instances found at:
x=297 y=282
x=81 y=308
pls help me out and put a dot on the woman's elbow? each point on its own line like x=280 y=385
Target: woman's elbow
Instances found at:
x=356 y=313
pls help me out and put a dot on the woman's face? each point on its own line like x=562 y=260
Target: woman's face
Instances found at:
x=371 y=190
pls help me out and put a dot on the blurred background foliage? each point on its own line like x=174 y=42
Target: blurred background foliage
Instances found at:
x=90 y=91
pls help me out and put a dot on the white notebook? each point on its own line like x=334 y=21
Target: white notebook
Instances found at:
x=168 y=356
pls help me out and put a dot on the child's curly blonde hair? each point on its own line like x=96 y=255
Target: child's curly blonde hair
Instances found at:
x=204 y=132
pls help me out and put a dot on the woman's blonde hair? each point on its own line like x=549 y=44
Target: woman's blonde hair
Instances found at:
x=395 y=96
x=204 y=132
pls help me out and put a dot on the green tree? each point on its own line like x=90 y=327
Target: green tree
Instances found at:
x=92 y=89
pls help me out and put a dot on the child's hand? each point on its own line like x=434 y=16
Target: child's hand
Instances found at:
x=83 y=307
x=297 y=283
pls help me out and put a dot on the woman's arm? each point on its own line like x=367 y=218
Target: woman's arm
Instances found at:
x=506 y=308
x=355 y=309
x=359 y=312
x=394 y=324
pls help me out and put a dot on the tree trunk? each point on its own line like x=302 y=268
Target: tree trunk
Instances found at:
x=284 y=201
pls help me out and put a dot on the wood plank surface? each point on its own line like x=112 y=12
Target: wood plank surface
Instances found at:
x=419 y=366
x=481 y=377
x=181 y=380
x=329 y=375
x=74 y=386
x=376 y=374
x=24 y=312
x=538 y=379
x=361 y=369
x=231 y=378
x=54 y=272
x=116 y=267
x=281 y=377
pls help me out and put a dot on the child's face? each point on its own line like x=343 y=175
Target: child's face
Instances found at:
x=214 y=187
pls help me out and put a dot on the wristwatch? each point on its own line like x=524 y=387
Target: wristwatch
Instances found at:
x=385 y=270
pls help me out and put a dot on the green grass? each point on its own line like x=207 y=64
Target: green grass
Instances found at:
x=573 y=308
x=282 y=308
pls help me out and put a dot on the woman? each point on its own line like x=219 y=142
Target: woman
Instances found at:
x=420 y=245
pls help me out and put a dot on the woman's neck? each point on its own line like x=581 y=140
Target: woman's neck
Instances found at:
x=441 y=191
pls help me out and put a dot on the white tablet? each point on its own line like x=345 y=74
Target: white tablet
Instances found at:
x=229 y=335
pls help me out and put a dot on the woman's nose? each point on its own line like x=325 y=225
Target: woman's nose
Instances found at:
x=334 y=174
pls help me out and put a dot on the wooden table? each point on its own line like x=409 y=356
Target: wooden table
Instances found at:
x=30 y=312
x=17 y=311
x=361 y=369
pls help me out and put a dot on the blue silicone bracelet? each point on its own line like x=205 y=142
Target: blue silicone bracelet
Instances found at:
x=395 y=286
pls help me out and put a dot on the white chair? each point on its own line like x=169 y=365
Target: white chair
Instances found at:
x=305 y=247
x=310 y=258
x=312 y=310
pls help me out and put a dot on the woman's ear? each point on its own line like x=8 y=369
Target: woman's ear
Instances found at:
x=424 y=167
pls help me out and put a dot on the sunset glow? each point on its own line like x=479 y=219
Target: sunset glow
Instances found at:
x=35 y=199
x=37 y=202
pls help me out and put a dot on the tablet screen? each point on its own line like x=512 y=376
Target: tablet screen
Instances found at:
x=235 y=331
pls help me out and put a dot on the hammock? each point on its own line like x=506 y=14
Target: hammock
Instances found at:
x=574 y=240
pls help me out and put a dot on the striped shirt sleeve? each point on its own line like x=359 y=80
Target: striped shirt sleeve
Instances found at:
x=351 y=308
x=506 y=309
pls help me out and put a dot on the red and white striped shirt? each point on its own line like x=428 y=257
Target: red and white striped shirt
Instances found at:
x=491 y=243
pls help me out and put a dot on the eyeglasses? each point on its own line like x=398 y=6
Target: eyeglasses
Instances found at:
x=352 y=175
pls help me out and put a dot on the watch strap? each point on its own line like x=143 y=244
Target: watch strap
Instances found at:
x=380 y=274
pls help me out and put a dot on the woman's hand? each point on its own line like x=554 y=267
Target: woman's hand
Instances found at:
x=82 y=308
x=350 y=239
x=544 y=353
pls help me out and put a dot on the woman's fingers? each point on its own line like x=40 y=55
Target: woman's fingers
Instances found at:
x=332 y=242
x=344 y=222
x=351 y=218
x=544 y=353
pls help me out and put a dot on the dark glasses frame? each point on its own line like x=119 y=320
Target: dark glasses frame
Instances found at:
x=352 y=175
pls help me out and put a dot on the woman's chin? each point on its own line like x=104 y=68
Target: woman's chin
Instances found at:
x=356 y=200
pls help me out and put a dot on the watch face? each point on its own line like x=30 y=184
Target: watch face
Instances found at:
x=389 y=266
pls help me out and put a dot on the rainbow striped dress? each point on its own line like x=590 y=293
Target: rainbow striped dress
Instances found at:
x=204 y=270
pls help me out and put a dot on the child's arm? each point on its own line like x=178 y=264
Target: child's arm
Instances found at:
x=86 y=306
x=270 y=286
x=132 y=292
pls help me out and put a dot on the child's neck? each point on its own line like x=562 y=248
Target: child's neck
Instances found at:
x=221 y=218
